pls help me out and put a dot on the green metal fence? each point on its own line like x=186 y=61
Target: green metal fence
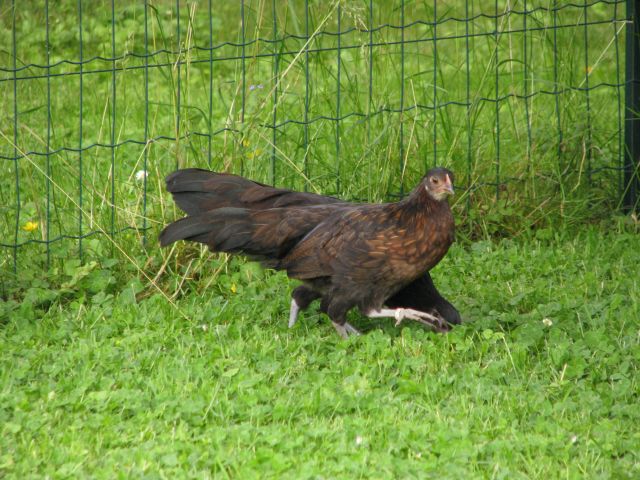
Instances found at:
x=524 y=100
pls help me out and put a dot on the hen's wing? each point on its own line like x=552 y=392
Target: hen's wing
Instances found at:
x=350 y=246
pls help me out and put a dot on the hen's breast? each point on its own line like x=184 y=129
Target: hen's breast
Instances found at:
x=414 y=248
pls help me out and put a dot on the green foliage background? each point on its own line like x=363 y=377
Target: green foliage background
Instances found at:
x=547 y=152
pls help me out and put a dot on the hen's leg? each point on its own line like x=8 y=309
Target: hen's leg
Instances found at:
x=337 y=312
x=293 y=312
x=301 y=298
x=422 y=294
x=434 y=321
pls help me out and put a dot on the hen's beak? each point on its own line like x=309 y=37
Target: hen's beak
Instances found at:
x=447 y=187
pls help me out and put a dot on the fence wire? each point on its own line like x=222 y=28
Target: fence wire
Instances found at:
x=524 y=100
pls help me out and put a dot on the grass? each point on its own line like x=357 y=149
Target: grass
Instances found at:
x=542 y=382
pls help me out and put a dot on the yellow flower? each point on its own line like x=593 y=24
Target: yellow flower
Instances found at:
x=30 y=226
x=245 y=142
x=234 y=289
x=257 y=152
x=588 y=70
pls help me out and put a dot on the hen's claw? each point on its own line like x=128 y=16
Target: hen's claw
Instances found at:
x=347 y=330
x=434 y=321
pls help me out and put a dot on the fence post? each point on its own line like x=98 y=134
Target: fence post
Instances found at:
x=632 y=108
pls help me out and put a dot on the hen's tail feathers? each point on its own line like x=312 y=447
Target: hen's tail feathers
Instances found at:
x=224 y=229
x=236 y=215
x=195 y=191
x=265 y=235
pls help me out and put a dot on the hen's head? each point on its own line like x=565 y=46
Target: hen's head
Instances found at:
x=439 y=183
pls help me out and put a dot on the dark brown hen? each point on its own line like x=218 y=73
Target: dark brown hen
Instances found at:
x=348 y=255
x=196 y=191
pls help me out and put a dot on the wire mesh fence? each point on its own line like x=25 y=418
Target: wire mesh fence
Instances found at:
x=523 y=99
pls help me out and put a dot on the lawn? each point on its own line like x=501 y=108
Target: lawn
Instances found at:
x=540 y=382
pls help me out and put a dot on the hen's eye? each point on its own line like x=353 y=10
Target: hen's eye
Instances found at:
x=434 y=180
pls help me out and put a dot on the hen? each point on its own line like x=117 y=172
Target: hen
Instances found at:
x=196 y=191
x=346 y=254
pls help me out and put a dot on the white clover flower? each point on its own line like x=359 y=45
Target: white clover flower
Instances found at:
x=547 y=322
x=141 y=175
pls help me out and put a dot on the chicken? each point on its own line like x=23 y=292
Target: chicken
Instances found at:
x=196 y=190
x=348 y=255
